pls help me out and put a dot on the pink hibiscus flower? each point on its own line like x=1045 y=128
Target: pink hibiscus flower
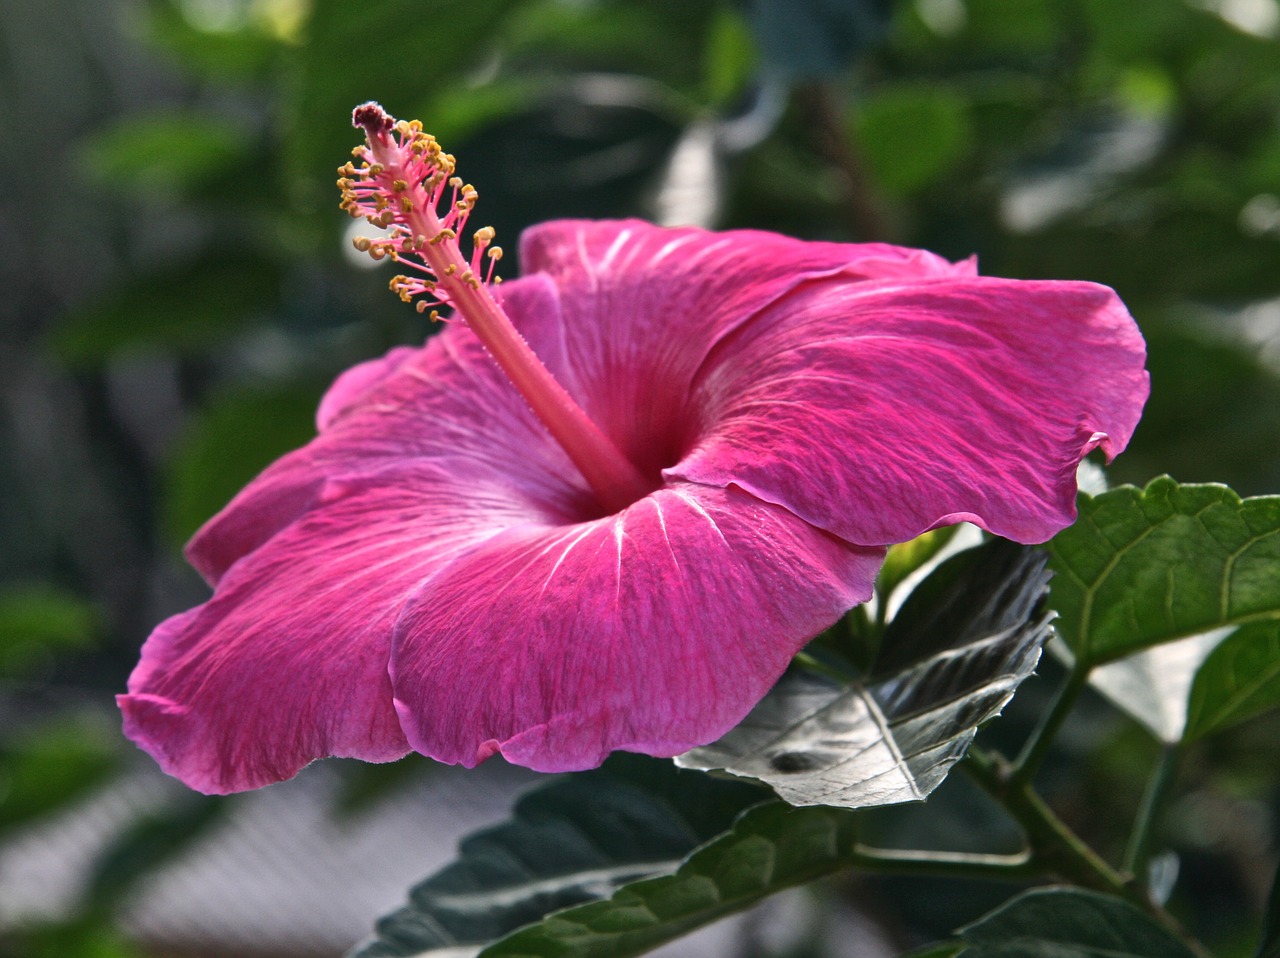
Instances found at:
x=700 y=470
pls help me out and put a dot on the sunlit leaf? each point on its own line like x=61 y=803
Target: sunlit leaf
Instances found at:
x=912 y=134
x=770 y=848
x=1153 y=685
x=730 y=57
x=574 y=840
x=906 y=557
x=1146 y=566
x=1240 y=679
x=1069 y=923
x=819 y=741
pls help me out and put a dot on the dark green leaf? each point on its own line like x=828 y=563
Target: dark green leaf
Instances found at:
x=819 y=741
x=939 y=949
x=51 y=766
x=771 y=848
x=574 y=840
x=166 y=153
x=236 y=437
x=1069 y=923
x=1239 y=679
x=1145 y=566
x=37 y=620
x=185 y=308
x=149 y=842
x=1269 y=946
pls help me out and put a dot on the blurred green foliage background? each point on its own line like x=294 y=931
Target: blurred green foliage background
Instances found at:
x=177 y=289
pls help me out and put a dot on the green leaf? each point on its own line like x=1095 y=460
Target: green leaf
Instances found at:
x=147 y=843
x=905 y=558
x=186 y=308
x=1239 y=679
x=770 y=848
x=1146 y=566
x=166 y=153
x=820 y=741
x=912 y=134
x=37 y=620
x=1269 y=946
x=1154 y=685
x=240 y=434
x=730 y=58
x=574 y=840
x=1069 y=923
x=53 y=765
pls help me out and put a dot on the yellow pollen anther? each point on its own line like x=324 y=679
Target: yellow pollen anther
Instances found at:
x=484 y=235
x=444 y=234
x=451 y=269
x=399 y=186
x=362 y=243
x=495 y=253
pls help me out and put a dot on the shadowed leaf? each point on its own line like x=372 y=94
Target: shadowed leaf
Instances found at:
x=574 y=840
x=1239 y=679
x=770 y=848
x=818 y=741
x=1069 y=923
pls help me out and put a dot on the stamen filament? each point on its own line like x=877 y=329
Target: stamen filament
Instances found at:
x=395 y=170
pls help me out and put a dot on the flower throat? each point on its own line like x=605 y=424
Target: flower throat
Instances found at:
x=402 y=178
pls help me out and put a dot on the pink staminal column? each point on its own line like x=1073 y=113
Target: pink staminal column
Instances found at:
x=398 y=187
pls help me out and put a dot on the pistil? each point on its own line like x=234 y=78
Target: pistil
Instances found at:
x=399 y=187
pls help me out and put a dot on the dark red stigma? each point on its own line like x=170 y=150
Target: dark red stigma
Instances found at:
x=372 y=118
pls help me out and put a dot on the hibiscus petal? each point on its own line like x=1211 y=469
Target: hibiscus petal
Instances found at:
x=643 y=306
x=288 y=662
x=880 y=410
x=446 y=402
x=652 y=630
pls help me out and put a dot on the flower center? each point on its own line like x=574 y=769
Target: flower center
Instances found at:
x=403 y=176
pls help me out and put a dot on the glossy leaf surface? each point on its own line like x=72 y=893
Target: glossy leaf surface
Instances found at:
x=1069 y=923
x=574 y=840
x=893 y=738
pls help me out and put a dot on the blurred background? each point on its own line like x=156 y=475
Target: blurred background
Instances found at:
x=178 y=288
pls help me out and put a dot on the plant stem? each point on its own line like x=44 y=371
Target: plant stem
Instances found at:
x=1056 y=849
x=1053 y=845
x=1138 y=854
x=864 y=210
x=1041 y=740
